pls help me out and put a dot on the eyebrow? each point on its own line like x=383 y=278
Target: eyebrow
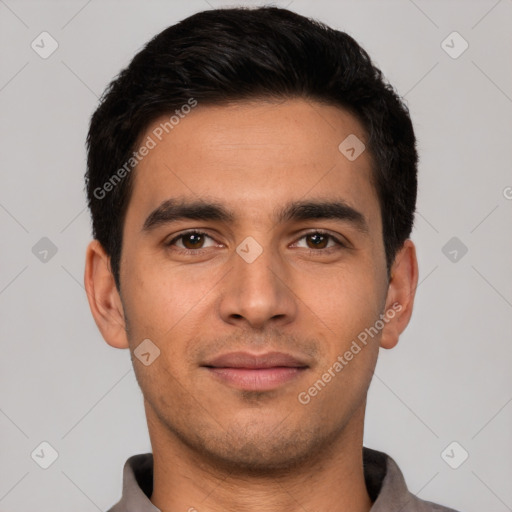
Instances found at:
x=172 y=210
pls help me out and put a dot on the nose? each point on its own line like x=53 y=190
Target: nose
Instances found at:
x=258 y=293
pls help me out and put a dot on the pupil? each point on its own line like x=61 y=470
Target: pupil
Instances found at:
x=191 y=236
x=318 y=237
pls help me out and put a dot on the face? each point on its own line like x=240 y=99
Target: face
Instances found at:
x=247 y=272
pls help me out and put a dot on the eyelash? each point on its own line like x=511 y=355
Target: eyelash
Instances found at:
x=196 y=252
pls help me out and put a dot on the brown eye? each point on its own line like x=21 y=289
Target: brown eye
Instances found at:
x=190 y=241
x=319 y=241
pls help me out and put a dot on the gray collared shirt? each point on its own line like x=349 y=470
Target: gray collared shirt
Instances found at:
x=384 y=482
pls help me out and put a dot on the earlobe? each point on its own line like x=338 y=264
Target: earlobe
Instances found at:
x=401 y=293
x=104 y=300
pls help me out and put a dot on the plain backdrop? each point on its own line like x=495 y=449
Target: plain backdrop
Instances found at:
x=447 y=381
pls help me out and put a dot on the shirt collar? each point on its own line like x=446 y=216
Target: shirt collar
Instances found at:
x=384 y=481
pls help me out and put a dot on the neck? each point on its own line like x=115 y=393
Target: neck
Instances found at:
x=332 y=479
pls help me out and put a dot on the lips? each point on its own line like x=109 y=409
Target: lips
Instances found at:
x=255 y=372
x=256 y=361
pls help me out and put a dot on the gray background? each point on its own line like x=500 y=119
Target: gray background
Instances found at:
x=449 y=377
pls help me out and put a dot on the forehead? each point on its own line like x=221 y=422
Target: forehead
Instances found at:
x=253 y=156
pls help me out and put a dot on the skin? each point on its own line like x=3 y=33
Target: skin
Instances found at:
x=215 y=447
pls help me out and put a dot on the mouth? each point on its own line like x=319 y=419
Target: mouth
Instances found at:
x=254 y=372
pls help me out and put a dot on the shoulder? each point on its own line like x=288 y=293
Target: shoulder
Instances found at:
x=387 y=488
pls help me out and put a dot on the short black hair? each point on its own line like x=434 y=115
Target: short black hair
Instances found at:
x=219 y=56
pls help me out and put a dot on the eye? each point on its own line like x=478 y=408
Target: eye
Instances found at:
x=317 y=241
x=191 y=241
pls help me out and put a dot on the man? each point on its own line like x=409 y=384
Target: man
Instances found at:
x=252 y=184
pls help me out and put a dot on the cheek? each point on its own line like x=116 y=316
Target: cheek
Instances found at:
x=345 y=298
x=348 y=316
x=164 y=301
x=161 y=308
x=343 y=316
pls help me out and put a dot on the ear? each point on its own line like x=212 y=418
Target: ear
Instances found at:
x=401 y=292
x=104 y=300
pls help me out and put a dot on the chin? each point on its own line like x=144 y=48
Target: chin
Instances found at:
x=262 y=452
